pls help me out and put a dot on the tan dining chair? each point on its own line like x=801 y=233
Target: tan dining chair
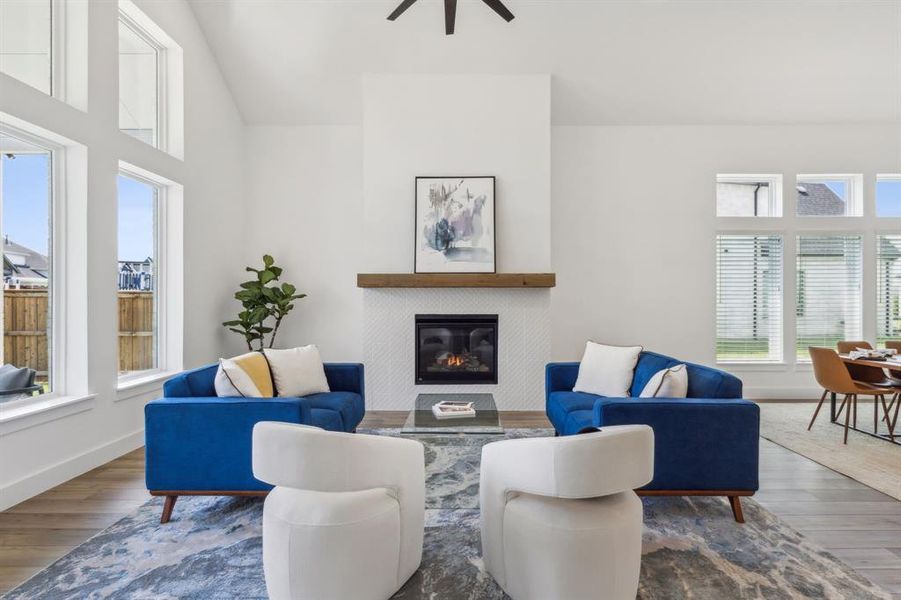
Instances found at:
x=884 y=378
x=832 y=374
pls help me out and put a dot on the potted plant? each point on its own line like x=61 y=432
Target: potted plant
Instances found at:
x=265 y=303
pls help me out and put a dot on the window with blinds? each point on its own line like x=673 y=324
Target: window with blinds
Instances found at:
x=888 y=287
x=749 y=298
x=829 y=286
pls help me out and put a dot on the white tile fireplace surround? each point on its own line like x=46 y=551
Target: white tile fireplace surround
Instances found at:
x=524 y=343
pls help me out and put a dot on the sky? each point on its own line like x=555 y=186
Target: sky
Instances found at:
x=136 y=201
x=26 y=206
x=26 y=210
x=888 y=198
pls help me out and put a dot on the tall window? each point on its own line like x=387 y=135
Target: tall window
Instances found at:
x=830 y=195
x=140 y=81
x=749 y=298
x=749 y=195
x=888 y=195
x=829 y=287
x=26 y=42
x=888 y=287
x=26 y=195
x=139 y=275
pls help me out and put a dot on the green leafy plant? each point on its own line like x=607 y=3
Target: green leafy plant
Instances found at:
x=263 y=299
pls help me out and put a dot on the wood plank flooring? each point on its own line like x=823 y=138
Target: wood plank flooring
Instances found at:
x=856 y=523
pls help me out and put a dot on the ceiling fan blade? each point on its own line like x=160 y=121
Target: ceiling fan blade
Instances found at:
x=401 y=8
x=450 y=16
x=498 y=7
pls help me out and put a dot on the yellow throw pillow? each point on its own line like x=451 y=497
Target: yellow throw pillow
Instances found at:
x=247 y=375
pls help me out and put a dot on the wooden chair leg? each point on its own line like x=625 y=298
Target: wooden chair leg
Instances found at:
x=854 y=414
x=735 y=503
x=168 y=505
x=817 y=411
x=851 y=401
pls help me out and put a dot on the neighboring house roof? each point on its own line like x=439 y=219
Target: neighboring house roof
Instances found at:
x=23 y=262
x=816 y=199
x=135 y=266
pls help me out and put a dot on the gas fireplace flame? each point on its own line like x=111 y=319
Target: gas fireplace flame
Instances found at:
x=454 y=361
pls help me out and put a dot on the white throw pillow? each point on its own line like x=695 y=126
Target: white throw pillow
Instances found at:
x=298 y=371
x=667 y=383
x=224 y=386
x=607 y=370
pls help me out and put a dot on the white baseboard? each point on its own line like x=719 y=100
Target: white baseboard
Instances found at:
x=43 y=480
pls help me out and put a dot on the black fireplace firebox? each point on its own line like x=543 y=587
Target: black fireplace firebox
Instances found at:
x=456 y=349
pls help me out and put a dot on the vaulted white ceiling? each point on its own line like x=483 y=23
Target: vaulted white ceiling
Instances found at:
x=611 y=61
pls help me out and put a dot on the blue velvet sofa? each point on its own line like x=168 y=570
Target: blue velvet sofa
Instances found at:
x=706 y=444
x=199 y=444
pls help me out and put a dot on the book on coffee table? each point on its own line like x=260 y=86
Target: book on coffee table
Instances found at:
x=449 y=409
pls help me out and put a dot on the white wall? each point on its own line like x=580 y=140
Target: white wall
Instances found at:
x=42 y=455
x=634 y=228
x=305 y=208
x=457 y=125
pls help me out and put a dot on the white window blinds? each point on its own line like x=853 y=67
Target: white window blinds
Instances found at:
x=888 y=287
x=828 y=308
x=749 y=298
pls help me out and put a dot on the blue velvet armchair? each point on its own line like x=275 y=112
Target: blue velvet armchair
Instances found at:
x=704 y=445
x=199 y=444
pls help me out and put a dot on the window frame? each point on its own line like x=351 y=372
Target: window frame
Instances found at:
x=130 y=18
x=775 y=202
x=854 y=185
x=861 y=293
x=68 y=54
x=876 y=257
x=57 y=287
x=160 y=265
x=791 y=225
x=768 y=362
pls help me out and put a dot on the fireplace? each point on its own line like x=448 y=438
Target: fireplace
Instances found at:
x=456 y=349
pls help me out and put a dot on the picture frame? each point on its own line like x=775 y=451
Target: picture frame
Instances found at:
x=455 y=224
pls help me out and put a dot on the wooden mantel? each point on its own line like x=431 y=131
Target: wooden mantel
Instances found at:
x=456 y=280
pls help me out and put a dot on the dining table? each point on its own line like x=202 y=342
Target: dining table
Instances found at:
x=880 y=427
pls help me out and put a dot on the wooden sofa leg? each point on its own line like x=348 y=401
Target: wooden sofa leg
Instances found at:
x=735 y=503
x=168 y=505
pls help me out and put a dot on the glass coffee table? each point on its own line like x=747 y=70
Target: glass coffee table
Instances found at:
x=422 y=420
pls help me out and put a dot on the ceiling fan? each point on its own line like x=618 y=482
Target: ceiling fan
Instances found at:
x=450 y=12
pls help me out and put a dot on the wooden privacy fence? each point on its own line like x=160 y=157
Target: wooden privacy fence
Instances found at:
x=25 y=330
x=136 y=331
x=25 y=342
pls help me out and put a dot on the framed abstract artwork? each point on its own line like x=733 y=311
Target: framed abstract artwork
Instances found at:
x=455 y=225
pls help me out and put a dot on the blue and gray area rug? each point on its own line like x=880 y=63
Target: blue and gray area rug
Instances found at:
x=212 y=548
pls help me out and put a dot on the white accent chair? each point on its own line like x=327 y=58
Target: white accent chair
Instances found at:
x=559 y=515
x=345 y=520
